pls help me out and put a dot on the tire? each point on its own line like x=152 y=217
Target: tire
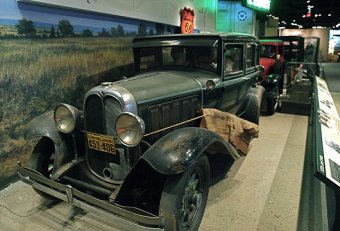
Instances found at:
x=42 y=161
x=272 y=103
x=184 y=197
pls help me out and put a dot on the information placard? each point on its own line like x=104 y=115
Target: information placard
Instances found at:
x=328 y=121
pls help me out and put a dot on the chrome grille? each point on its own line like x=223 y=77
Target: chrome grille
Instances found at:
x=100 y=114
x=112 y=110
x=93 y=109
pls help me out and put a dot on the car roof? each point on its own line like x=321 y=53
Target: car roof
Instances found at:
x=270 y=41
x=190 y=39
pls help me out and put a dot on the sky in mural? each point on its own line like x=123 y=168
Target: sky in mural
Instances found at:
x=11 y=11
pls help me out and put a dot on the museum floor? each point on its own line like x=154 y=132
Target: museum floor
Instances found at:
x=261 y=192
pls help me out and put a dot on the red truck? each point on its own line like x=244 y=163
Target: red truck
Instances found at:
x=271 y=58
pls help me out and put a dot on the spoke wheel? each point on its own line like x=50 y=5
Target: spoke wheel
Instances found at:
x=184 y=197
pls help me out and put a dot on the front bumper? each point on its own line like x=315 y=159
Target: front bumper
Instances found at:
x=124 y=217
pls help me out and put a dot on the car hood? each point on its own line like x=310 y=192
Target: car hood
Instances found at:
x=159 y=85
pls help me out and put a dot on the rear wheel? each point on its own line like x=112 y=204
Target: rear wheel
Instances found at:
x=184 y=197
x=42 y=161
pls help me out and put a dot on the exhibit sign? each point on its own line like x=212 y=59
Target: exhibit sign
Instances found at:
x=260 y=5
x=328 y=125
x=233 y=17
x=159 y=11
x=187 y=21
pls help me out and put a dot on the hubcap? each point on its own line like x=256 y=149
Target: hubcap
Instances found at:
x=191 y=201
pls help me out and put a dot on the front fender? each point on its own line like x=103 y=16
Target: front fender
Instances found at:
x=44 y=126
x=172 y=154
x=178 y=150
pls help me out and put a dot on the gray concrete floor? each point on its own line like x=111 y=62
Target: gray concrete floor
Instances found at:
x=264 y=193
x=260 y=192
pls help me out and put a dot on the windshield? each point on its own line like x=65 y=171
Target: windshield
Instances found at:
x=197 y=57
x=268 y=51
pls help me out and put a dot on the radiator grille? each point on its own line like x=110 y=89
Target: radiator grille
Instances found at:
x=100 y=114
x=93 y=114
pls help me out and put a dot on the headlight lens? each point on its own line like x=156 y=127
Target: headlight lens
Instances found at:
x=65 y=116
x=130 y=128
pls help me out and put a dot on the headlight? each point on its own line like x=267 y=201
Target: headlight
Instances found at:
x=130 y=128
x=65 y=116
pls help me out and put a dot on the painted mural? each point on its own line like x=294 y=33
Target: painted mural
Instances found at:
x=50 y=55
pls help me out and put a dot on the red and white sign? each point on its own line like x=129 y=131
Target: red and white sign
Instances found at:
x=187 y=21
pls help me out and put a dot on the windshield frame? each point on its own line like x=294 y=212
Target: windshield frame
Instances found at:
x=159 y=53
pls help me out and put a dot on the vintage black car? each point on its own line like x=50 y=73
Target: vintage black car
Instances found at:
x=135 y=149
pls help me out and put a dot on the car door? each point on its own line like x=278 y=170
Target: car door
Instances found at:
x=233 y=73
x=251 y=73
x=240 y=75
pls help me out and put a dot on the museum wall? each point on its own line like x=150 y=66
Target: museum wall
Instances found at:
x=323 y=34
x=53 y=54
x=233 y=17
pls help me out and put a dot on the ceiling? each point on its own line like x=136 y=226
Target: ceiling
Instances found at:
x=290 y=10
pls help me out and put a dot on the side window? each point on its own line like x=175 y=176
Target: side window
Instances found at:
x=250 y=62
x=233 y=59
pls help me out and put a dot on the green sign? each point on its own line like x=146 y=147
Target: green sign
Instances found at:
x=261 y=5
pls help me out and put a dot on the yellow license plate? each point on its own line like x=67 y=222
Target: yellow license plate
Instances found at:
x=101 y=143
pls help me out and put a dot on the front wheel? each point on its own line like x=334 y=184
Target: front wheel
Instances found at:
x=42 y=161
x=184 y=197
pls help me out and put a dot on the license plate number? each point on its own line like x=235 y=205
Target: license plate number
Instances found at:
x=101 y=143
